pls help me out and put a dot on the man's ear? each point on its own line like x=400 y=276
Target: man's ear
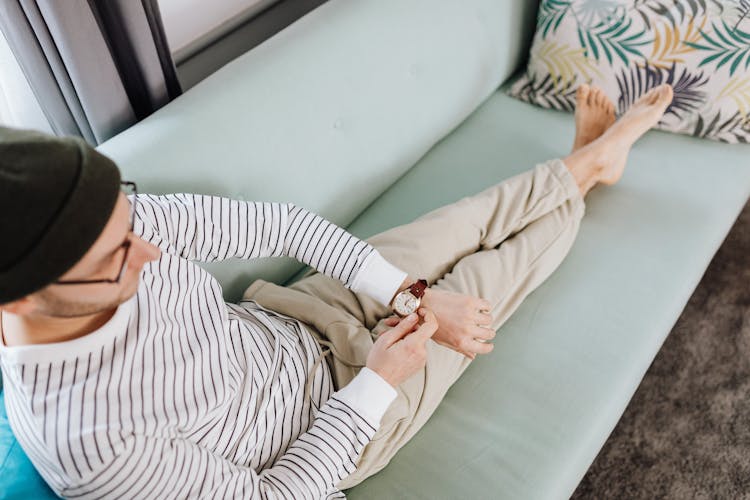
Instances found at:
x=20 y=307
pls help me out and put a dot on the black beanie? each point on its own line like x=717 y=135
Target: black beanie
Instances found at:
x=56 y=196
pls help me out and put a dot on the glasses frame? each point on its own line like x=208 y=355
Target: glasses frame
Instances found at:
x=125 y=244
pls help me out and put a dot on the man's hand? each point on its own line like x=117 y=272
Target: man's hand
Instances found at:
x=461 y=325
x=400 y=352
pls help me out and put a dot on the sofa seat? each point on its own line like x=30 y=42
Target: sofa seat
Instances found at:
x=527 y=420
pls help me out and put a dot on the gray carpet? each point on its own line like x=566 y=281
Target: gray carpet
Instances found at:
x=686 y=432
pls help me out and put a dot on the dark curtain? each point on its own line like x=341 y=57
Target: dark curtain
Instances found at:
x=95 y=66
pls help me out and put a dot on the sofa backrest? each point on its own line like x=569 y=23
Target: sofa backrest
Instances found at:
x=329 y=112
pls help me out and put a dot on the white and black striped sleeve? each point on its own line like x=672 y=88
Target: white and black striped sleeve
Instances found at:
x=211 y=228
x=158 y=467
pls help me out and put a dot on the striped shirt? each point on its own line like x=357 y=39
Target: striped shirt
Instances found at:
x=182 y=395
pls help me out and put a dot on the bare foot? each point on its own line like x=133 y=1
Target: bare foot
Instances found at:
x=603 y=160
x=594 y=114
x=614 y=145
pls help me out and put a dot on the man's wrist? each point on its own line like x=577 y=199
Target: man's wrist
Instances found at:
x=408 y=281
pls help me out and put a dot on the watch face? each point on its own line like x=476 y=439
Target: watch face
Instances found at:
x=405 y=303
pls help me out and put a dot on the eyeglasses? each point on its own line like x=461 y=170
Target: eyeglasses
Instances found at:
x=130 y=189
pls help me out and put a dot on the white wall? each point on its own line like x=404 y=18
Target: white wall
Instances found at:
x=18 y=105
x=190 y=22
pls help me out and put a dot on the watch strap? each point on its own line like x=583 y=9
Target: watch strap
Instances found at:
x=417 y=289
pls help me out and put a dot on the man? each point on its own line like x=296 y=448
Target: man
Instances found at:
x=127 y=375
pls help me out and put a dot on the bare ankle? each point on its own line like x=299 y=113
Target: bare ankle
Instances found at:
x=585 y=187
x=585 y=167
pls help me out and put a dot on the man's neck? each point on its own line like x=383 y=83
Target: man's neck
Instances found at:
x=22 y=330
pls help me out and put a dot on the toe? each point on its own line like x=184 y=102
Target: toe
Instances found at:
x=599 y=98
x=591 y=97
x=582 y=93
x=667 y=92
x=656 y=94
x=645 y=98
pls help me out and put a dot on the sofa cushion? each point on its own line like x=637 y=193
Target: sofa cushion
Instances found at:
x=527 y=420
x=19 y=478
x=330 y=111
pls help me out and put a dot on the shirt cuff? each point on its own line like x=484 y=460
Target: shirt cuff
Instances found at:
x=369 y=394
x=378 y=278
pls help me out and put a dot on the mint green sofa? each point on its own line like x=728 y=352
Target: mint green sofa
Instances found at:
x=373 y=112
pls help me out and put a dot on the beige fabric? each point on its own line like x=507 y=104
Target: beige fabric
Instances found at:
x=503 y=242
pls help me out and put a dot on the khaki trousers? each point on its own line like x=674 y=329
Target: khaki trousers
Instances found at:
x=499 y=244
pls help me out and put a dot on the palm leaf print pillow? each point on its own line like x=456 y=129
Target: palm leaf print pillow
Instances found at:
x=700 y=47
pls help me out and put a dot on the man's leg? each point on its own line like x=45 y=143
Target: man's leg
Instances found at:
x=503 y=274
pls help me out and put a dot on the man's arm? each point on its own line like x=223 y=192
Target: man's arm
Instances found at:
x=161 y=467
x=211 y=228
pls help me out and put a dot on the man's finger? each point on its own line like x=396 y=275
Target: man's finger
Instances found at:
x=481 y=347
x=430 y=325
x=482 y=333
x=484 y=305
x=400 y=331
x=483 y=319
x=427 y=315
x=455 y=348
x=392 y=321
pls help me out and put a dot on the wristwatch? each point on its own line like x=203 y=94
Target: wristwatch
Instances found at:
x=407 y=301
